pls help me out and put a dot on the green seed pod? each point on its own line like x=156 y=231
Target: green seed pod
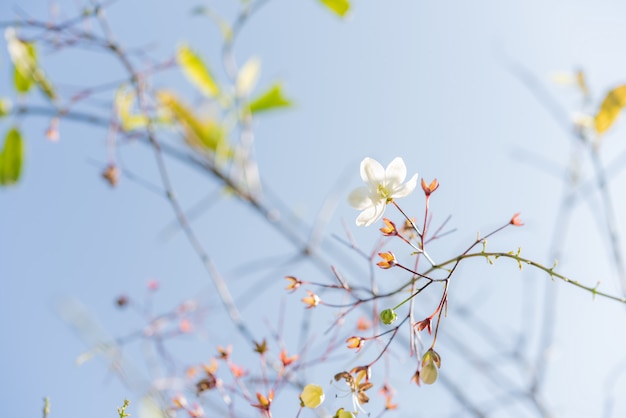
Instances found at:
x=429 y=373
x=388 y=316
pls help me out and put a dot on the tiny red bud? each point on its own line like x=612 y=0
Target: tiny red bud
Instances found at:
x=515 y=220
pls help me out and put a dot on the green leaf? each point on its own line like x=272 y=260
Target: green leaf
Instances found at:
x=610 y=109
x=340 y=7
x=196 y=71
x=26 y=72
x=23 y=64
x=11 y=158
x=271 y=99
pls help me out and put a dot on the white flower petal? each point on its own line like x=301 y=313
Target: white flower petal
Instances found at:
x=406 y=188
x=395 y=172
x=372 y=171
x=360 y=198
x=371 y=214
x=382 y=185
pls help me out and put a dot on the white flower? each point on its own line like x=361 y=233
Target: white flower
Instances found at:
x=383 y=186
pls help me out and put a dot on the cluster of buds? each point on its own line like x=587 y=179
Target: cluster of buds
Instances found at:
x=382 y=187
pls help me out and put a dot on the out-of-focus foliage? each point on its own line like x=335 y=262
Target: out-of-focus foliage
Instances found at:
x=11 y=158
x=196 y=71
x=204 y=134
x=124 y=99
x=340 y=7
x=610 y=109
x=273 y=98
x=26 y=72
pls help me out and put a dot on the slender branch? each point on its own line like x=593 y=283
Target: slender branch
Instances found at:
x=549 y=270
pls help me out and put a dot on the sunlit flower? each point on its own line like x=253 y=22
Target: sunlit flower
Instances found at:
x=312 y=300
x=389 y=260
x=312 y=396
x=382 y=187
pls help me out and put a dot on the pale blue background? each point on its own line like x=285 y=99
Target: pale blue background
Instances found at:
x=421 y=80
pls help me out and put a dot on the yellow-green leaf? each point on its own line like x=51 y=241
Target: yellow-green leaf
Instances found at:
x=26 y=72
x=203 y=134
x=24 y=59
x=44 y=84
x=11 y=158
x=196 y=71
x=271 y=99
x=610 y=109
x=340 y=7
x=124 y=99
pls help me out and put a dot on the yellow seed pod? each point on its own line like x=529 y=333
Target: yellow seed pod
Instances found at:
x=312 y=396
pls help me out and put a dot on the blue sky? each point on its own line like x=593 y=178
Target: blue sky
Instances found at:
x=425 y=81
